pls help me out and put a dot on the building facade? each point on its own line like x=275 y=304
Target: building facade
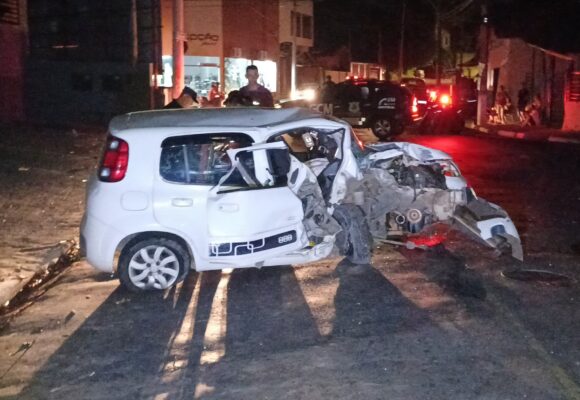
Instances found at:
x=12 y=56
x=89 y=60
x=223 y=37
x=514 y=63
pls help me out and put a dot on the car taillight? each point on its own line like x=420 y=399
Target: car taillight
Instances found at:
x=445 y=100
x=114 y=161
x=414 y=107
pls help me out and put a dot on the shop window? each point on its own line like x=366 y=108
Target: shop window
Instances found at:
x=268 y=74
x=201 y=72
x=235 y=70
x=307 y=26
x=301 y=25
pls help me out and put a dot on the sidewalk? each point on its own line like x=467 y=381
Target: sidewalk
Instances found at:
x=42 y=175
x=539 y=133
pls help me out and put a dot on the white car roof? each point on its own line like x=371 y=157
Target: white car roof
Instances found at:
x=239 y=117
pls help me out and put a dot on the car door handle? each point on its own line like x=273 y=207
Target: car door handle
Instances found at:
x=229 y=208
x=182 y=202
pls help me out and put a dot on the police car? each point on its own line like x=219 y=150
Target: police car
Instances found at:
x=385 y=107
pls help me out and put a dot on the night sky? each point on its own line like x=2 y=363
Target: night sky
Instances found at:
x=553 y=24
x=364 y=18
x=548 y=23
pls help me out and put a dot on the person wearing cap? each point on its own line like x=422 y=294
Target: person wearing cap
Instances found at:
x=186 y=99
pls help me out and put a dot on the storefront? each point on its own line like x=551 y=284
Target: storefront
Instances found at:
x=212 y=52
x=235 y=71
x=215 y=51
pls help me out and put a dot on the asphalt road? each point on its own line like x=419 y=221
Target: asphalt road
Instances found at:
x=442 y=324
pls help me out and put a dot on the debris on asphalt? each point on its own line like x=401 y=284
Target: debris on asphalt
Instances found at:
x=38 y=284
x=546 y=277
x=69 y=316
x=409 y=244
x=79 y=379
x=23 y=347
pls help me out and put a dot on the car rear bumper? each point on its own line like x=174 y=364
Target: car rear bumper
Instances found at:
x=98 y=243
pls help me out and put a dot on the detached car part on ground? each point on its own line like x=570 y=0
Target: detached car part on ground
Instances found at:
x=233 y=188
x=384 y=107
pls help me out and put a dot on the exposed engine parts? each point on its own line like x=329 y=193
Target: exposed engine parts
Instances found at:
x=399 y=194
x=402 y=195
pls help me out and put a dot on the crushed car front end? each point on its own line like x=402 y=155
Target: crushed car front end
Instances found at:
x=409 y=190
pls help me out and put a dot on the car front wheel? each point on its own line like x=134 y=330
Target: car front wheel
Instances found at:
x=153 y=263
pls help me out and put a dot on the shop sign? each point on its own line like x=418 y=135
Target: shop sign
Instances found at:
x=204 y=39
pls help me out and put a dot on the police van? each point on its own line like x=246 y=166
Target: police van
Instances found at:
x=385 y=107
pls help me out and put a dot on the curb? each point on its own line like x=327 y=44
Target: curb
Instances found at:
x=560 y=139
x=532 y=136
x=10 y=288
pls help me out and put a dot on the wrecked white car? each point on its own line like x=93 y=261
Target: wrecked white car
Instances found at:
x=231 y=188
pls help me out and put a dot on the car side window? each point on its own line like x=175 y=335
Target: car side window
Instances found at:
x=199 y=159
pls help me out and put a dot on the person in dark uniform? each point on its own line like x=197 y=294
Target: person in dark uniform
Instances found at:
x=328 y=89
x=186 y=99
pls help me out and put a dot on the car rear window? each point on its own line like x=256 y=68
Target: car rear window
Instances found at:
x=199 y=159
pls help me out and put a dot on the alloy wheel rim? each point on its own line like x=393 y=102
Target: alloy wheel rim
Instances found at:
x=383 y=126
x=154 y=267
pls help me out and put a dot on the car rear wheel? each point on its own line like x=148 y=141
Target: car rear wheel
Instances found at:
x=153 y=264
x=385 y=129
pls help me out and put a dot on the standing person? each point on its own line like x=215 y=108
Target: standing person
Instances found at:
x=501 y=103
x=258 y=93
x=186 y=99
x=328 y=90
x=523 y=101
x=533 y=114
x=215 y=97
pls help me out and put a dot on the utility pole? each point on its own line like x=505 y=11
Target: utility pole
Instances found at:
x=380 y=56
x=438 y=33
x=134 y=34
x=436 y=4
x=178 y=47
x=484 y=33
x=294 y=26
x=402 y=41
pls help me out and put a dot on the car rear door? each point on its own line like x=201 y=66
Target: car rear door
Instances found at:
x=252 y=215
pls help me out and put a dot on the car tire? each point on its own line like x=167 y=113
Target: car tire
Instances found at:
x=355 y=240
x=155 y=263
x=385 y=129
